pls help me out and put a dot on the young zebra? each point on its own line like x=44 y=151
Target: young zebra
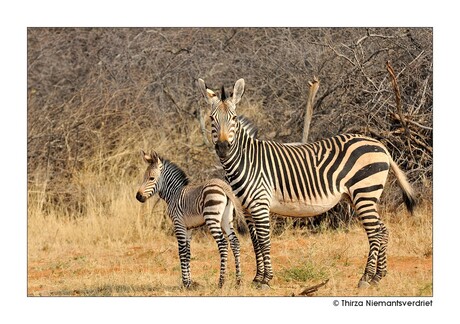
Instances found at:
x=302 y=180
x=191 y=206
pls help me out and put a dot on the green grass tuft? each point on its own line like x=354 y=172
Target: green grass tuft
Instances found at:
x=303 y=273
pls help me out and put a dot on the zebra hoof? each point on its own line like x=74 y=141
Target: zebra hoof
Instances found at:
x=256 y=284
x=264 y=286
x=221 y=283
x=238 y=282
x=363 y=284
x=260 y=285
x=192 y=285
x=375 y=281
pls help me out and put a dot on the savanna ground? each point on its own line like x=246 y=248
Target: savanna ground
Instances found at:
x=124 y=257
x=97 y=96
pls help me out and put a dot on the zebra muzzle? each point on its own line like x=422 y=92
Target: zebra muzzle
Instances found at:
x=222 y=148
x=140 y=197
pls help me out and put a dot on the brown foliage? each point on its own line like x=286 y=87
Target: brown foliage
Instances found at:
x=96 y=96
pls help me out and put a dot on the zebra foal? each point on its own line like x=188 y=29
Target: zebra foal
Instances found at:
x=190 y=206
x=302 y=180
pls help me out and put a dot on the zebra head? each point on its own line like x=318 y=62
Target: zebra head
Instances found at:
x=152 y=176
x=223 y=115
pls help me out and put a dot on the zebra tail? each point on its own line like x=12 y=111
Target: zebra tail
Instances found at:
x=407 y=190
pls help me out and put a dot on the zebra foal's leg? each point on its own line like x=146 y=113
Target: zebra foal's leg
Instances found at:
x=235 y=246
x=213 y=213
x=222 y=245
x=227 y=226
x=182 y=236
x=188 y=254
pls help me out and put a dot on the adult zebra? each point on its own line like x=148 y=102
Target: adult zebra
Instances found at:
x=190 y=206
x=302 y=180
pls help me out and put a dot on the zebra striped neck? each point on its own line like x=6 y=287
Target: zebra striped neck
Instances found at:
x=248 y=126
x=173 y=180
x=245 y=133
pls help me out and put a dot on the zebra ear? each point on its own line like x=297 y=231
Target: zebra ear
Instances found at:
x=208 y=94
x=238 y=91
x=154 y=156
x=147 y=158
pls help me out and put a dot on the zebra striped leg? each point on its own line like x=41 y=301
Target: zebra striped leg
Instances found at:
x=188 y=254
x=216 y=232
x=227 y=226
x=382 y=256
x=223 y=251
x=365 y=201
x=261 y=218
x=257 y=251
x=235 y=245
x=215 y=214
x=373 y=235
x=377 y=235
x=184 y=254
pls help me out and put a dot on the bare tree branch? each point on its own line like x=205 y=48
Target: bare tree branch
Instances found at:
x=402 y=119
x=313 y=89
x=310 y=290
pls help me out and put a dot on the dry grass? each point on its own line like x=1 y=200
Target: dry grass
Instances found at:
x=98 y=240
x=127 y=249
x=135 y=89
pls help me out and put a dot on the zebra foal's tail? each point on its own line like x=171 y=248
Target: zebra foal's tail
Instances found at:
x=238 y=216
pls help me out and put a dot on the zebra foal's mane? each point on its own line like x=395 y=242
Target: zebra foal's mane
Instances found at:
x=171 y=167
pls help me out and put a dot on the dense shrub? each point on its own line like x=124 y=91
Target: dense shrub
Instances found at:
x=96 y=96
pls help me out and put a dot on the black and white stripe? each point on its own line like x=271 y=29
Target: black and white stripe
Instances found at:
x=302 y=180
x=189 y=206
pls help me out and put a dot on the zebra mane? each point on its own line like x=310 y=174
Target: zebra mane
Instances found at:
x=172 y=168
x=223 y=95
x=248 y=126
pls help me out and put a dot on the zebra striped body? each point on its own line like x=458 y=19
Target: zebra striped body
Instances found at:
x=299 y=189
x=302 y=180
x=190 y=206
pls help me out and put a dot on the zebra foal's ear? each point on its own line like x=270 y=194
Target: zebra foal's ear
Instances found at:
x=208 y=94
x=154 y=156
x=238 y=91
x=147 y=158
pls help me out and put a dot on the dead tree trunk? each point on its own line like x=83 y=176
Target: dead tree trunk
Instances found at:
x=313 y=89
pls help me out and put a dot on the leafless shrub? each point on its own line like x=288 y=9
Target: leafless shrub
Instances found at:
x=96 y=96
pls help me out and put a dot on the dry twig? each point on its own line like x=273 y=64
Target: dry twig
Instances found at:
x=402 y=119
x=310 y=290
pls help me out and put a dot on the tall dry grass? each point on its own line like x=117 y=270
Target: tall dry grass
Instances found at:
x=96 y=239
x=116 y=246
x=97 y=96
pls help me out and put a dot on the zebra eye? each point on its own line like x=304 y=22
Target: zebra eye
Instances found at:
x=152 y=178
